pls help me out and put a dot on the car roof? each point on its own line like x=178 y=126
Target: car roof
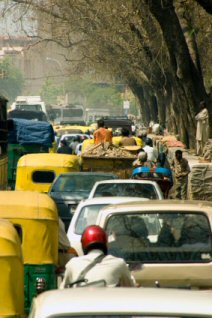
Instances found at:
x=126 y=181
x=106 y=301
x=110 y=200
x=84 y=173
x=193 y=206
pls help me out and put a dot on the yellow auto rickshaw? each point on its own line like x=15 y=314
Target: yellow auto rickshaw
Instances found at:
x=11 y=273
x=35 y=217
x=36 y=172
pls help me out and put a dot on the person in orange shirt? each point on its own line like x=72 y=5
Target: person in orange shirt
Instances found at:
x=102 y=134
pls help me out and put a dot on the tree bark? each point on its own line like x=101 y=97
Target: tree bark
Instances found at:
x=188 y=86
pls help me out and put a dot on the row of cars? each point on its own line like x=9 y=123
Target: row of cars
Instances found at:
x=157 y=238
x=166 y=243
x=68 y=189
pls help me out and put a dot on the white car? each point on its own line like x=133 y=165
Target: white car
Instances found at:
x=70 y=137
x=91 y=302
x=86 y=214
x=127 y=188
x=164 y=241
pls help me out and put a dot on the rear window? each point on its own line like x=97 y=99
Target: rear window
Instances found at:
x=126 y=190
x=161 y=237
x=77 y=182
x=87 y=216
x=43 y=176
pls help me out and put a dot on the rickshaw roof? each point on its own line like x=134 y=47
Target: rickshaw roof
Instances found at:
x=71 y=127
x=27 y=205
x=48 y=160
x=9 y=241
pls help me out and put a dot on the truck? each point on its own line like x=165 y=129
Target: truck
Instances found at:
x=33 y=103
x=25 y=137
x=109 y=158
x=68 y=115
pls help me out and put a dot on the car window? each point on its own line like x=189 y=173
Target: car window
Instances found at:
x=126 y=189
x=160 y=237
x=87 y=216
x=77 y=182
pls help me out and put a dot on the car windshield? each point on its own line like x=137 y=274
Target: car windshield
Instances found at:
x=160 y=237
x=77 y=183
x=126 y=189
x=87 y=216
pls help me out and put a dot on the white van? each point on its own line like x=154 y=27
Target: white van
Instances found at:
x=33 y=103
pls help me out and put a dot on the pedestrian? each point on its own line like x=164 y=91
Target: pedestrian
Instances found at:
x=102 y=134
x=96 y=265
x=151 y=151
x=64 y=148
x=202 y=132
x=126 y=140
x=163 y=170
x=181 y=170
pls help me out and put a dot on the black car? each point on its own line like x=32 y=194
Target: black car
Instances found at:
x=68 y=189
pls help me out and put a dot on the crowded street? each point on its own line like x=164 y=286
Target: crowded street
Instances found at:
x=105 y=159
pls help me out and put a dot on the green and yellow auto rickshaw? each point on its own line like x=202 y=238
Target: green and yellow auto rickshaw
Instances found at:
x=35 y=217
x=36 y=172
x=11 y=273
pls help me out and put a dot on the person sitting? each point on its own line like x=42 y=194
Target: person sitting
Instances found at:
x=102 y=134
x=142 y=167
x=126 y=139
x=152 y=153
x=64 y=148
x=96 y=265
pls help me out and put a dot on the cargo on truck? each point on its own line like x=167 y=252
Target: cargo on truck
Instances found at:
x=107 y=157
x=25 y=137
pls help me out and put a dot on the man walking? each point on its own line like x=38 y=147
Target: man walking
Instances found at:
x=202 y=132
x=181 y=170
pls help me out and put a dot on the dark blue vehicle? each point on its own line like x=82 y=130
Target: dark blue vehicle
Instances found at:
x=68 y=189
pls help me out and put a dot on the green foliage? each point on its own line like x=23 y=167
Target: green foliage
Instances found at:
x=11 y=79
x=50 y=92
x=95 y=95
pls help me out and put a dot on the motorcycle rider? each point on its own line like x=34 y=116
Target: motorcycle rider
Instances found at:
x=113 y=270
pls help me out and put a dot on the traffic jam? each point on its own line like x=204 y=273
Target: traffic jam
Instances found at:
x=105 y=159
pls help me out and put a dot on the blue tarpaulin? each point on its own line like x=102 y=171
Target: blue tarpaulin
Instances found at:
x=24 y=131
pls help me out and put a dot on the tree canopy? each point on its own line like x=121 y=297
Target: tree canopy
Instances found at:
x=160 y=48
x=11 y=79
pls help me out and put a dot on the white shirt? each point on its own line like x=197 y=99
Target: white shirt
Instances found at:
x=152 y=153
x=112 y=269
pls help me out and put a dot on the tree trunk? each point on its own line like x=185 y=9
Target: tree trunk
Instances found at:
x=188 y=87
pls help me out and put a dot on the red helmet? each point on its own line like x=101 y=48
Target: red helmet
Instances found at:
x=94 y=237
